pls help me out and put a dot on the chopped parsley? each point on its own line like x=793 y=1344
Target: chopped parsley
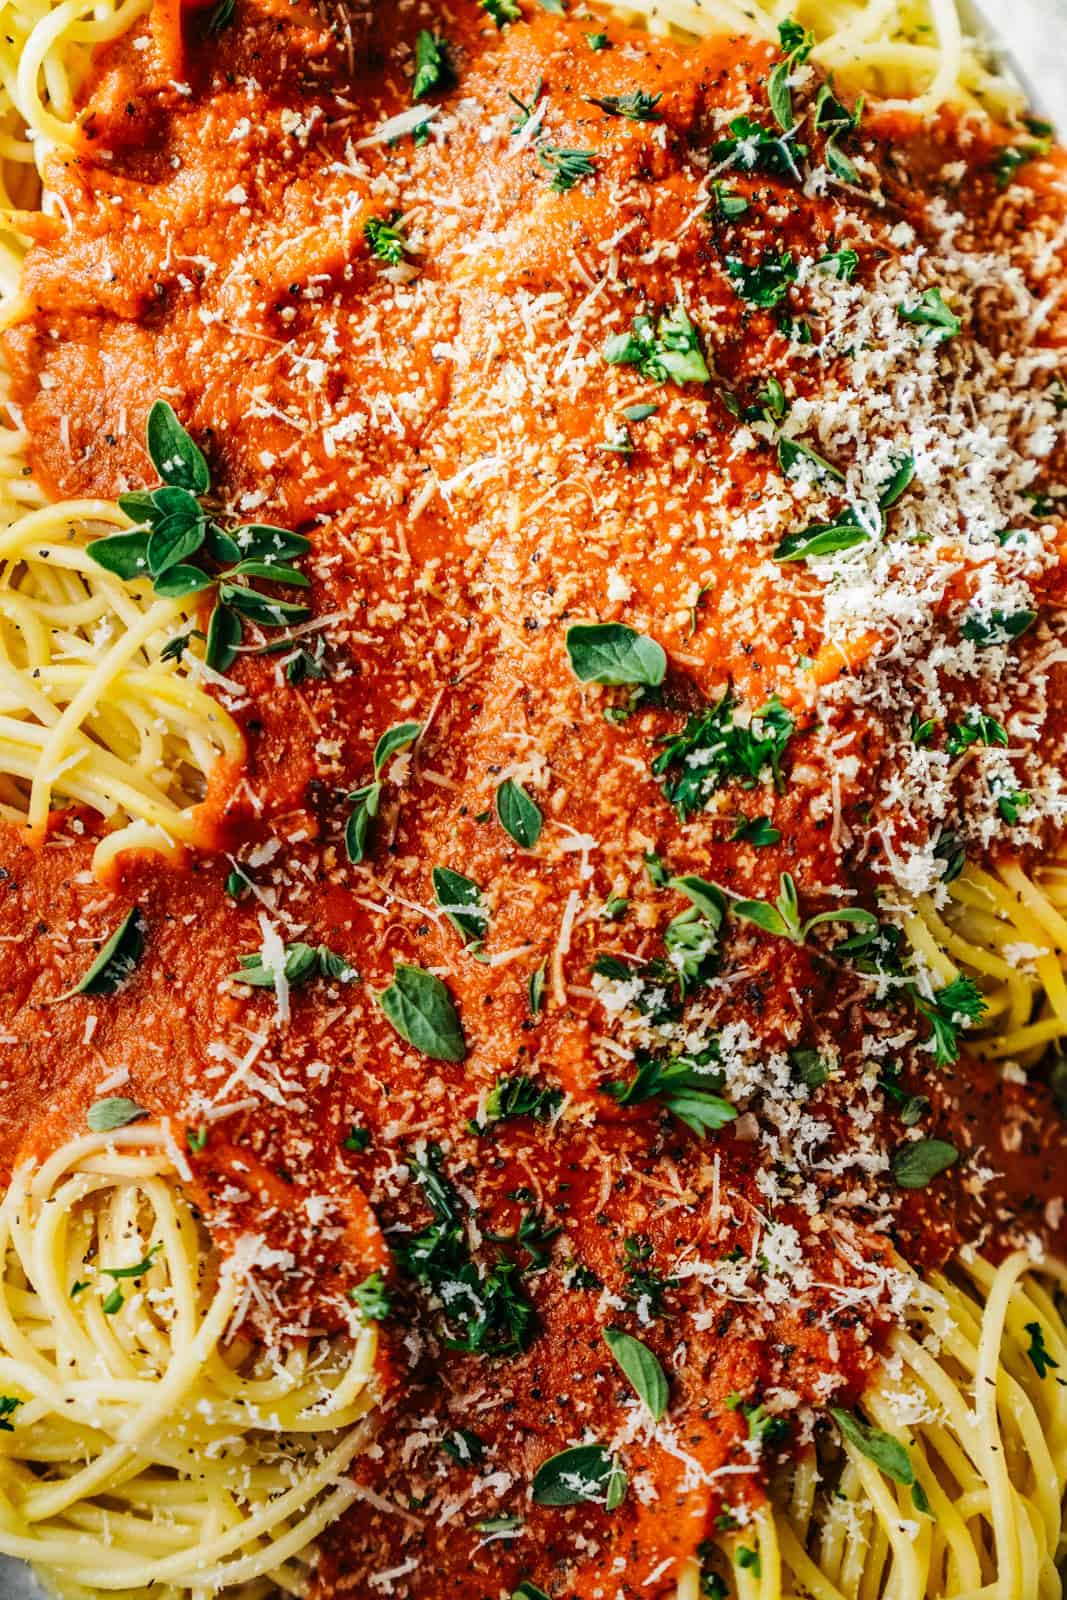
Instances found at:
x=1040 y=1359
x=522 y=1097
x=953 y=1007
x=930 y=311
x=715 y=748
x=371 y=1298
x=768 y=282
x=481 y=1311
x=432 y=67
x=386 y=240
x=667 y=347
x=686 y=1086
x=753 y=148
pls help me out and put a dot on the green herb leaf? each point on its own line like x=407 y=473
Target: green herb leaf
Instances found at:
x=136 y=1271
x=792 y=451
x=668 y=347
x=977 y=728
x=916 y=1164
x=501 y=11
x=585 y=1472
x=522 y=1097
x=371 y=1298
x=887 y=1453
x=636 y=106
x=768 y=282
x=8 y=1406
x=387 y=241
x=535 y=990
x=952 y=1008
x=568 y=167
x=687 y=1086
x=460 y=899
x=173 y=453
x=756 y=830
x=517 y=814
x=528 y=1591
x=754 y=148
x=420 y=1008
x=224 y=633
x=357 y=829
x=930 y=311
x=840 y=264
x=612 y=653
x=986 y=629
x=113 y=1112
x=393 y=740
x=432 y=67
x=117 y=961
x=642 y=1369
x=124 y=554
x=1040 y=1359
x=113 y=1303
x=821 y=539
x=714 y=749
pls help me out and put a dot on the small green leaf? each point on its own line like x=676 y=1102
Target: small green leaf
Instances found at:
x=517 y=814
x=536 y=990
x=930 y=311
x=174 y=455
x=136 y=1271
x=779 y=97
x=8 y=1406
x=432 y=67
x=821 y=539
x=113 y=1112
x=612 y=653
x=181 y=580
x=224 y=633
x=117 y=960
x=1040 y=1359
x=637 y=106
x=393 y=740
x=371 y=1298
x=762 y=915
x=526 y=1589
x=585 y=1472
x=113 y=1303
x=460 y=899
x=792 y=451
x=420 y=1008
x=887 y=1453
x=901 y=476
x=707 y=897
x=756 y=830
x=124 y=554
x=366 y=802
x=916 y=1164
x=642 y=1368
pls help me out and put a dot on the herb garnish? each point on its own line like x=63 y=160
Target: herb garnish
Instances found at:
x=684 y=1086
x=1007 y=161
x=522 y=1097
x=371 y=1298
x=783 y=917
x=387 y=241
x=637 y=106
x=177 y=523
x=302 y=963
x=116 y=1111
x=642 y=1369
x=714 y=748
x=887 y=1453
x=612 y=653
x=8 y=1406
x=518 y=815
x=917 y=1163
x=432 y=67
x=568 y=167
x=501 y=11
x=420 y=1008
x=977 y=728
x=797 y=43
x=930 y=311
x=486 y=1313
x=755 y=148
x=952 y=1008
x=1040 y=1359
x=827 y=538
x=667 y=347
x=117 y=960
x=460 y=898
x=988 y=628
x=768 y=282
x=585 y=1472
x=367 y=800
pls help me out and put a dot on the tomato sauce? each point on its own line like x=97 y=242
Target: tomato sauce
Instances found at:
x=437 y=426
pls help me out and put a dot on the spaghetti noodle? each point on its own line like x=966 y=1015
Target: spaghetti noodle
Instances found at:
x=151 y=1448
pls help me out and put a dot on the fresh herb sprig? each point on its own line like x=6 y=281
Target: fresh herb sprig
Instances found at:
x=660 y=348
x=182 y=547
x=716 y=747
x=367 y=800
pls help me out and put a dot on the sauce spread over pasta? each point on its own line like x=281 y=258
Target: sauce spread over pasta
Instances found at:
x=571 y=345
